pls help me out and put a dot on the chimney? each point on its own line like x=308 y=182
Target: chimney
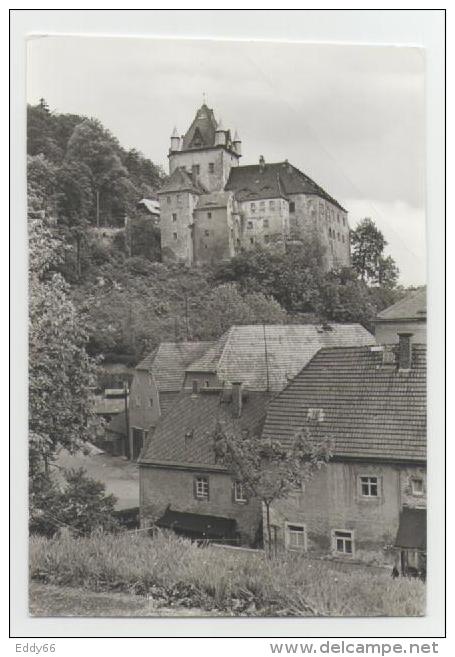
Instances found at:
x=404 y=351
x=237 y=399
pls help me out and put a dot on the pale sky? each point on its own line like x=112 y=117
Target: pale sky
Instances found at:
x=350 y=117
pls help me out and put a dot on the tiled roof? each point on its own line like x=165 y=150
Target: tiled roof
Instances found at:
x=202 y=130
x=273 y=180
x=257 y=355
x=181 y=181
x=370 y=411
x=413 y=306
x=169 y=361
x=185 y=435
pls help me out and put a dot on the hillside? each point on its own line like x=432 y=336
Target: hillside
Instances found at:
x=86 y=183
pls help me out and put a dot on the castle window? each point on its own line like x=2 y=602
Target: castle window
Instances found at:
x=211 y=167
x=209 y=215
x=207 y=233
x=174 y=217
x=292 y=206
x=253 y=207
x=266 y=223
x=174 y=235
x=251 y=240
x=249 y=224
x=272 y=205
x=196 y=168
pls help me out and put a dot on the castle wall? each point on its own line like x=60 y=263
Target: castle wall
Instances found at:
x=310 y=213
x=213 y=235
x=264 y=222
x=221 y=159
x=176 y=226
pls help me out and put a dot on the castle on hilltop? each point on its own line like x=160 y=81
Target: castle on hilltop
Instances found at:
x=212 y=208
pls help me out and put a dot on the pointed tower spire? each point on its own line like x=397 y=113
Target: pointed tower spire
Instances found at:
x=237 y=143
x=220 y=135
x=175 y=140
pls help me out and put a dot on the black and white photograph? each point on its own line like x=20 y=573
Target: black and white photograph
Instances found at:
x=227 y=328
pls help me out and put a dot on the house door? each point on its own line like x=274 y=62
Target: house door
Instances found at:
x=138 y=441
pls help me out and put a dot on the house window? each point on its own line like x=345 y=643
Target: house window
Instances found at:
x=417 y=486
x=174 y=235
x=272 y=205
x=201 y=488
x=315 y=414
x=174 y=217
x=239 y=492
x=266 y=223
x=251 y=240
x=369 y=486
x=292 y=206
x=253 y=207
x=209 y=215
x=295 y=537
x=211 y=167
x=343 y=542
x=206 y=384
x=249 y=224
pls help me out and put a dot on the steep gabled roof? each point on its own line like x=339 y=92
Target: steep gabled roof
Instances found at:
x=370 y=411
x=185 y=436
x=169 y=361
x=268 y=356
x=274 y=180
x=413 y=307
x=201 y=132
x=181 y=181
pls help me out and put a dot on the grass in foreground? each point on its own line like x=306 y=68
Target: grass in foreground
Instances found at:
x=172 y=570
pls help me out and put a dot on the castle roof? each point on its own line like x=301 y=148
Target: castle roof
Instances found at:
x=213 y=200
x=412 y=307
x=272 y=180
x=368 y=410
x=182 y=181
x=201 y=132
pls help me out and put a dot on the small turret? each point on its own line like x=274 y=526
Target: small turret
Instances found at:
x=237 y=143
x=175 y=141
x=220 y=135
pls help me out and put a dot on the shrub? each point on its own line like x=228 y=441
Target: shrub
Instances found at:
x=175 y=570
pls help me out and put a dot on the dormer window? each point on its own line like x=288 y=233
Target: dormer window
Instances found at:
x=292 y=206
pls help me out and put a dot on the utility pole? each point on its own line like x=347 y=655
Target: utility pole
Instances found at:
x=97 y=208
x=127 y=420
x=266 y=359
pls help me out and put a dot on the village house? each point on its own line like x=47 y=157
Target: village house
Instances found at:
x=369 y=502
x=157 y=381
x=211 y=207
x=408 y=314
x=182 y=486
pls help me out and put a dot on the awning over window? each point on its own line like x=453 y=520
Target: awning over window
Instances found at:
x=412 y=531
x=200 y=525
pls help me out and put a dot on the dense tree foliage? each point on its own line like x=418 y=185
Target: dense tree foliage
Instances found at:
x=368 y=260
x=77 y=504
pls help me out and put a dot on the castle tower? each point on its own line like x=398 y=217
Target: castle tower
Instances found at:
x=206 y=151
